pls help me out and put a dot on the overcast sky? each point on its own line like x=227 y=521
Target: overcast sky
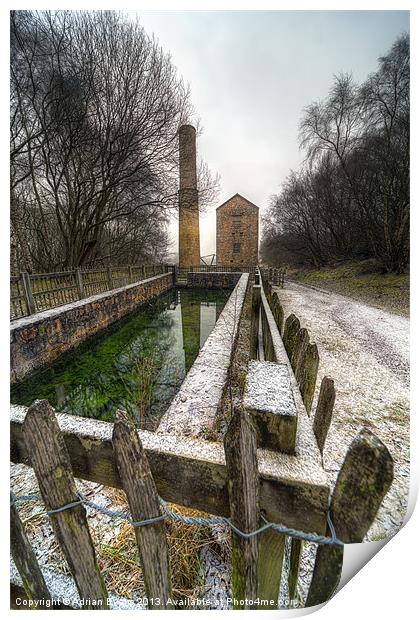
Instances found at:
x=251 y=73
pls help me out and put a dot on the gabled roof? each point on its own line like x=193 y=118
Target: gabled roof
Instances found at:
x=240 y=196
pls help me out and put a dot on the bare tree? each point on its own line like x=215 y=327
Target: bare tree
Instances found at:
x=96 y=106
x=351 y=199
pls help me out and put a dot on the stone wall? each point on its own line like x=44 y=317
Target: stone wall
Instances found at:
x=237 y=233
x=39 y=339
x=213 y=279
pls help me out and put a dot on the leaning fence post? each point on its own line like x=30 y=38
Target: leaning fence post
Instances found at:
x=240 y=446
x=278 y=312
x=299 y=353
x=363 y=481
x=290 y=334
x=79 y=283
x=324 y=411
x=27 y=290
x=52 y=467
x=143 y=501
x=24 y=558
x=309 y=374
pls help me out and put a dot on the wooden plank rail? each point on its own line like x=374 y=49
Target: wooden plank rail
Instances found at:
x=294 y=490
x=279 y=482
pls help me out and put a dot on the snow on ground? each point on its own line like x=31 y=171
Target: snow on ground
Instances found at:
x=366 y=352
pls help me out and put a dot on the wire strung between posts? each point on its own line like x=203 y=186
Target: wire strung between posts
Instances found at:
x=176 y=516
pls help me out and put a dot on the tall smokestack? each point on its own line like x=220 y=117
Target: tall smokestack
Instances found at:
x=189 y=222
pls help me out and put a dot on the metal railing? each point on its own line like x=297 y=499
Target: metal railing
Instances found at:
x=181 y=272
x=35 y=292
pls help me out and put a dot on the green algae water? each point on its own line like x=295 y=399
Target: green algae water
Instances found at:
x=137 y=364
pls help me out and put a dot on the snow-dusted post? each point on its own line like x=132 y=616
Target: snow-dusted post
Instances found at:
x=324 y=411
x=309 y=375
x=277 y=311
x=51 y=463
x=290 y=335
x=364 y=479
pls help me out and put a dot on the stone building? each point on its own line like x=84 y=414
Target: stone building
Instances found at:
x=237 y=232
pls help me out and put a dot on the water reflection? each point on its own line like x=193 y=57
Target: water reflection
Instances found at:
x=137 y=365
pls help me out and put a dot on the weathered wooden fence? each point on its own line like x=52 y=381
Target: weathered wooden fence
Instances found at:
x=257 y=545
x=30 y=293
x=266 y=501
x=367 y=471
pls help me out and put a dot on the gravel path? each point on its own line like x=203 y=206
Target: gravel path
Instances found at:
x=366 y=352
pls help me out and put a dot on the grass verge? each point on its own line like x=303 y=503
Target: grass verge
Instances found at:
x=362 y=281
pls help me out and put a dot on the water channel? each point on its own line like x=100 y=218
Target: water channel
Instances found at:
x=137 y=364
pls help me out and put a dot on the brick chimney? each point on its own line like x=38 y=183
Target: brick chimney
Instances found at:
x=189 y=222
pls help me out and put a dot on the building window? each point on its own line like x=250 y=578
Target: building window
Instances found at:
x=236 y=221
x=236 y=248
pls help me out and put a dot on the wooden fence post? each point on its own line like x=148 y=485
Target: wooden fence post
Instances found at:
x=298 y=356
x=143 y=500
x=291 y=331
x=278 y=312
x=51 y=463
x=270 y=564
x=295 y=555
x=130 y=274
x=363 y=481
x=24 y=558
x=27 y=290
x=79 y=283
x=324 y=411
x=309 y=374
x=240 y=446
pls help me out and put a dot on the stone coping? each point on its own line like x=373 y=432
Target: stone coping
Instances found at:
x=269 y=400
x=195 y=406
x=268 y=389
